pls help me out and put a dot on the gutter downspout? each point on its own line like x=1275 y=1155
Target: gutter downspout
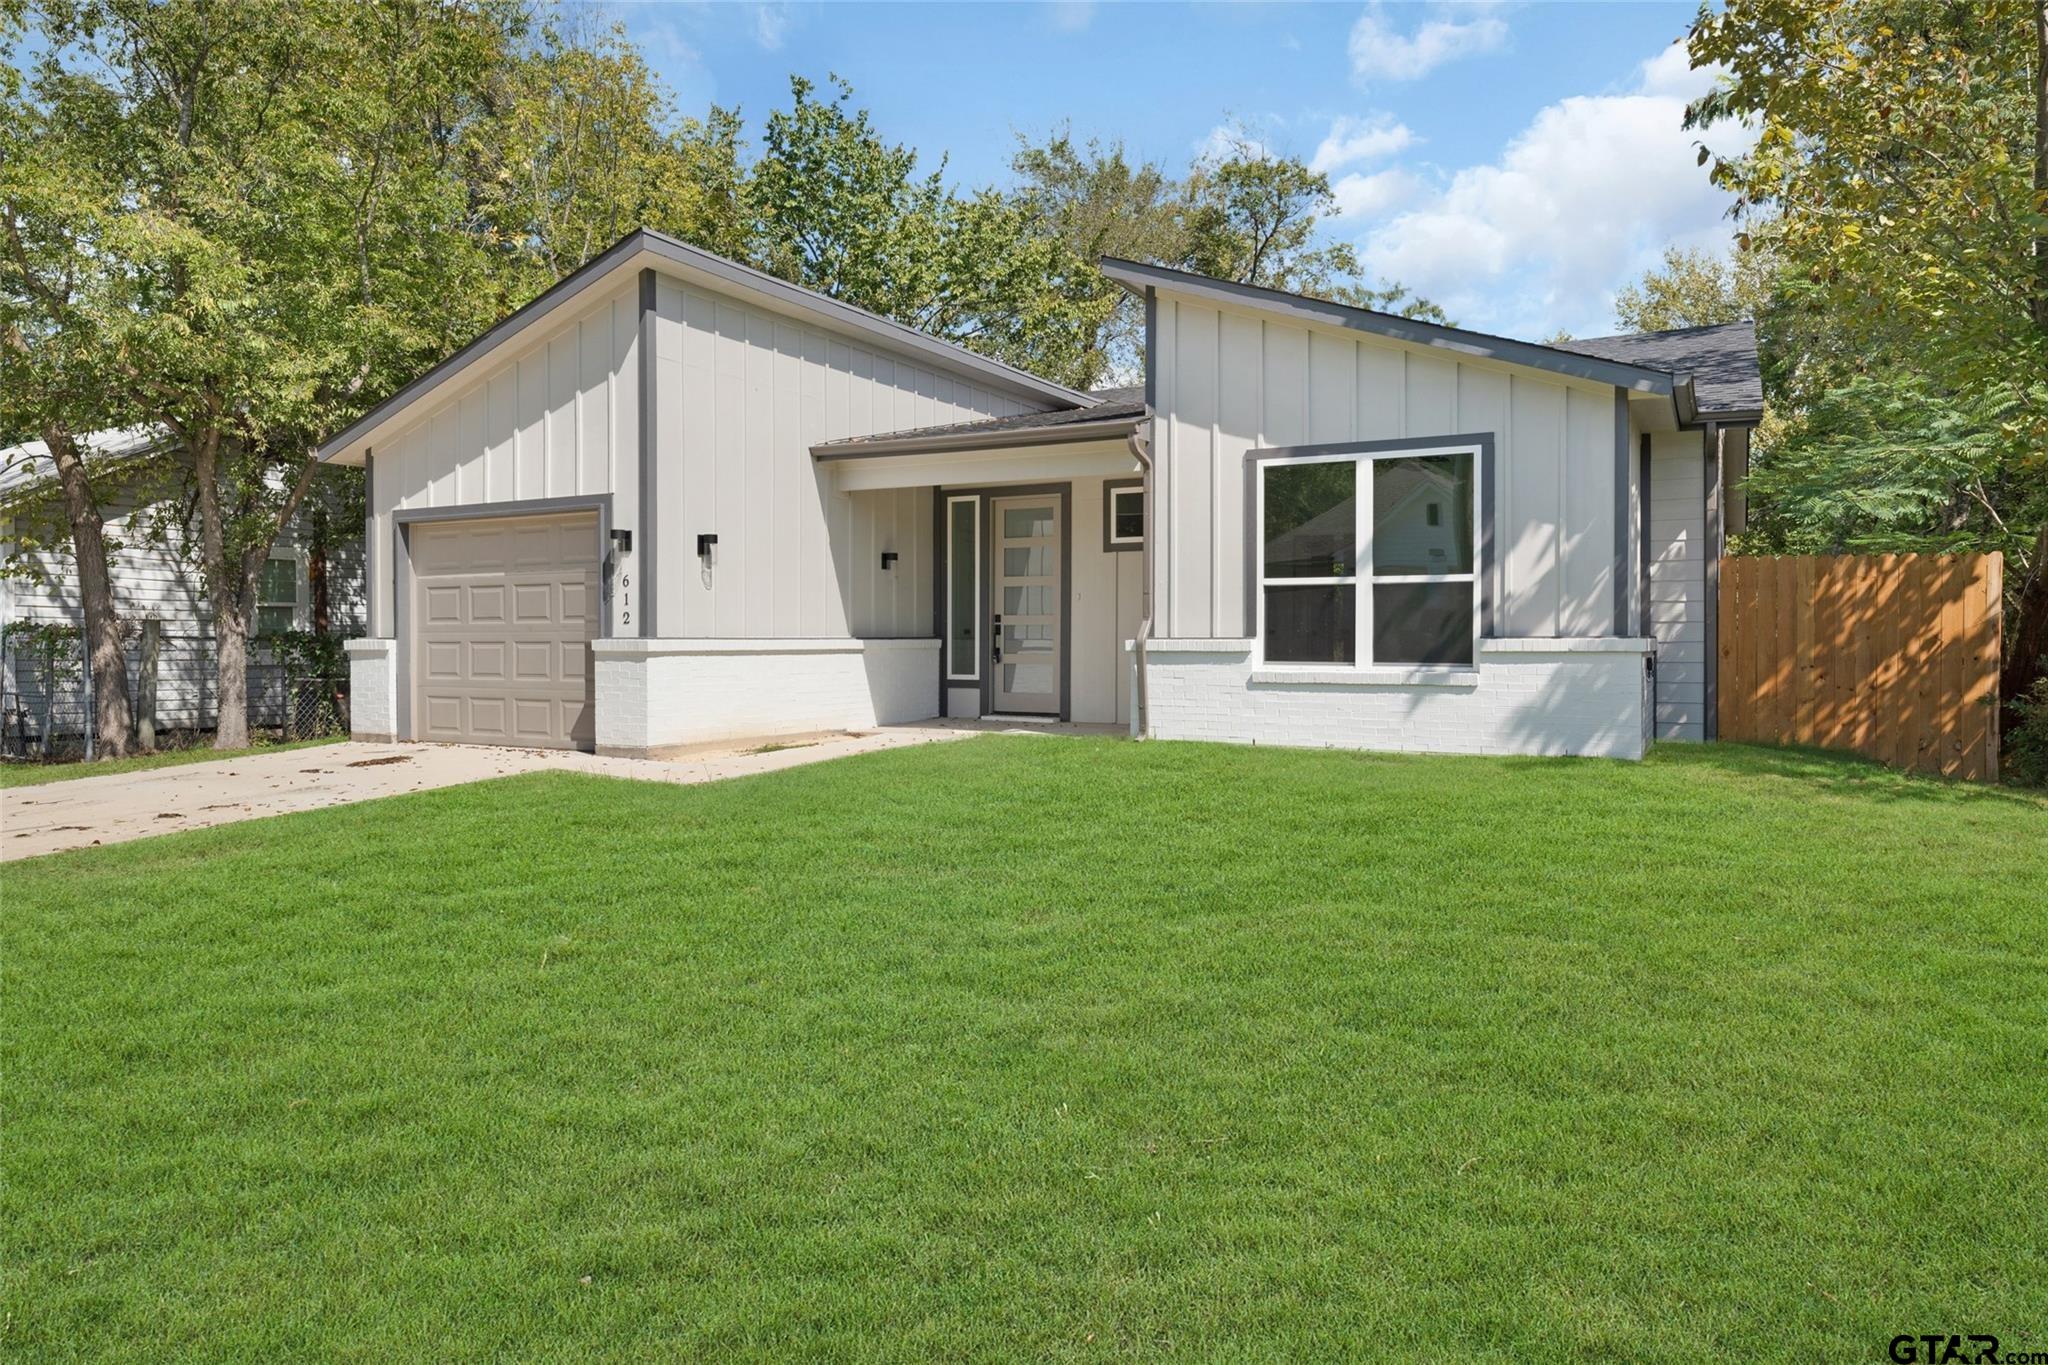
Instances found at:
x=1141 y=715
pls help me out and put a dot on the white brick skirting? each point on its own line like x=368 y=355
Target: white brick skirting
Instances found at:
x=372 y=689
x=664 y=694
x=1525 y=697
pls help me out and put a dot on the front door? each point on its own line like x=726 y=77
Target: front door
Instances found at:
x=1026 y=652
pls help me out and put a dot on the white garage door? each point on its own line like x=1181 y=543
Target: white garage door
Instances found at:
x=503 y=614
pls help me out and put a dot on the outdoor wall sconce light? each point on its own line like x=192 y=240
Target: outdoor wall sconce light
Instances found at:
x=705 y=541
x=888 y=560
x=622 y=541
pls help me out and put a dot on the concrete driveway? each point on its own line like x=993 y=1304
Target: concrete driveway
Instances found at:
x=121 y=806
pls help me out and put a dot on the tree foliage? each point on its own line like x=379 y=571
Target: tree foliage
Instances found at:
x=1899 y=181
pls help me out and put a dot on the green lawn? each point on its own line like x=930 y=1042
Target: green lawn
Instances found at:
x=22 y=773
x=1031 y=1047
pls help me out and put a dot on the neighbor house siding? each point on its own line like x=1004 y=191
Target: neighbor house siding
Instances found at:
x=154 y=578
x=556 y=418
x=1678 y=581
x=1232 y=380
x=742 y=394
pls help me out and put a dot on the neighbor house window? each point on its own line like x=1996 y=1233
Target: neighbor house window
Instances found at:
x=963 y=589
x=1369 y=558
x=277 y=595
x=1123 y=516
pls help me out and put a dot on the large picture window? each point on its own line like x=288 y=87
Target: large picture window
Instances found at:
x=1369 y=558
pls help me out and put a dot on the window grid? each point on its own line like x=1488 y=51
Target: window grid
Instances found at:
x=1363 y=584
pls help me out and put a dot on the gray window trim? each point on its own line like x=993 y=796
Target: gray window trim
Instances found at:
x=402 y=580
x=1621 y=510
x=644 y=549
x=1484 y=572
x=1137 y=276
x=988 y=493
x=665 y=248
x=1112 y=546
x=1710 y=722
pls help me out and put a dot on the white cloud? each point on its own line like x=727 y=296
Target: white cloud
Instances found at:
x=1379 y=51
x=1368 y=196
x=1226 y=140
x=1071 y=16
x=771 y=23
x=1361 y=139
x=1578 y=203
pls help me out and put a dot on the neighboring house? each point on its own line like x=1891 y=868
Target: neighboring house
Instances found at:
x=675 y=500
x=154 y=579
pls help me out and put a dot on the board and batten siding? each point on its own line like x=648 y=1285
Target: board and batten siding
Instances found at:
x=1106 y=598
x=1229 y=381
x=558 y=417
x=742 y=394
x=1678 y=581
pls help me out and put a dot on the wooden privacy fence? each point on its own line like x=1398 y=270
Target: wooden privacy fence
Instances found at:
x=1892 y=656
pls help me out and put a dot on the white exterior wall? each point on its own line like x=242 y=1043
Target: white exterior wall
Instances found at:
x=1230 y=380
x=558 y=416
x=1587 y=697
x=658 y=695
x=1678 y=581
x=743 y=393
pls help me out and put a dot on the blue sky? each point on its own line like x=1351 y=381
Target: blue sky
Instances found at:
x=1516 y=163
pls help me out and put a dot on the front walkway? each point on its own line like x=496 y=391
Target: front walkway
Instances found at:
x=122 y=806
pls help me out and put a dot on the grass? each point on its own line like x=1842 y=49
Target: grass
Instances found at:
x=1032 y=1047
x=22 y=773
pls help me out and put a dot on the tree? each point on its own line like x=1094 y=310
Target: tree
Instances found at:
x=1254 y=217
x=1901 y=168
x=1697 y=288
x=59 y=209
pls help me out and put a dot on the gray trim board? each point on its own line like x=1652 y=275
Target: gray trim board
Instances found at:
x=1484 y=571
x=401 y=570
x=940 y=625
x=643 y=546
x=1151 y=349
x=1136 y=276
x=1109 y=487
x=668 y=249
x=370 y=618
x=1710 y=721
x=1643 y=498
x=1621 y=517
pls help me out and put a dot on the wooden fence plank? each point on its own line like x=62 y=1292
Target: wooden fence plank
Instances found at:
x=1894 y=656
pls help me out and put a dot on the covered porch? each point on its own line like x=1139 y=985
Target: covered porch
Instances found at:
x=1038 y=527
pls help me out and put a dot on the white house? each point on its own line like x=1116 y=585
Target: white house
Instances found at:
x=148 y=533
x=675 y=500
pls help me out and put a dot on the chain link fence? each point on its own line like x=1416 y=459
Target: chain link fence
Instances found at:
x=46 y=712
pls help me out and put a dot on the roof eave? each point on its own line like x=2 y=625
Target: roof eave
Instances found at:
x=1069 y=433
x=1136 y=277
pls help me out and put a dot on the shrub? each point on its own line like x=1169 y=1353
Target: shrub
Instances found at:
x=2025 y=748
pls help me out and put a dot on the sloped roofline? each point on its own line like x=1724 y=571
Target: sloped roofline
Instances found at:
x=647 y=246
x=1138 y=277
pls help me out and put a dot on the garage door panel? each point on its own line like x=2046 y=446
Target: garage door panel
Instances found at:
x=507 y=609
x=487 y=660
x=534 y=604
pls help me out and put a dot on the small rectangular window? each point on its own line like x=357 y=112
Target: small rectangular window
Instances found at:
x=963 y=589
x=277 y=596
x=1124 y=516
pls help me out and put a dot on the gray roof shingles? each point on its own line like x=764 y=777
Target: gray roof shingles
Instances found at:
x=1721 y=359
